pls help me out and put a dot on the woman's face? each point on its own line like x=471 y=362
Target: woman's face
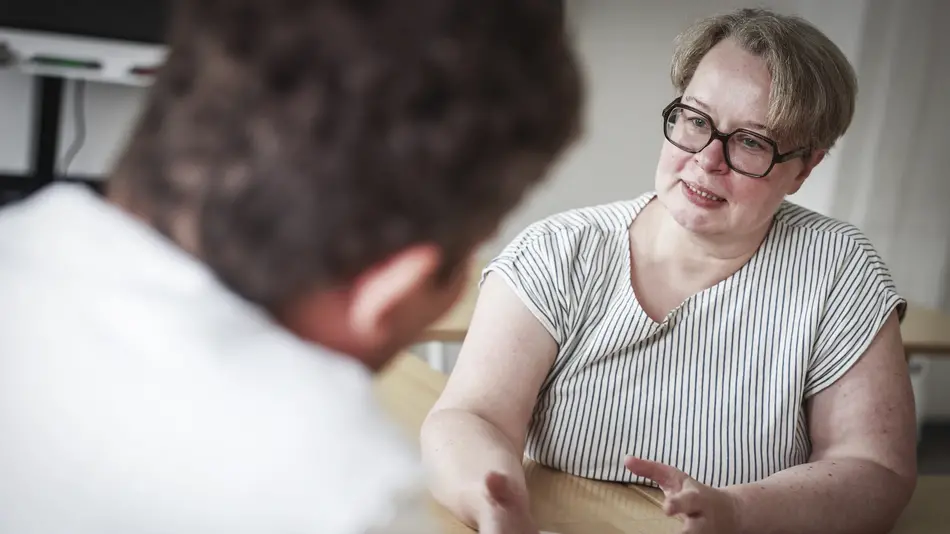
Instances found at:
x=699 y=190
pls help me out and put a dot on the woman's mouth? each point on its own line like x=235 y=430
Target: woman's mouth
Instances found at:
x=701 y=197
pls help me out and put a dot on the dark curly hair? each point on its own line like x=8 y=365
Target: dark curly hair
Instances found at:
x=293 y=144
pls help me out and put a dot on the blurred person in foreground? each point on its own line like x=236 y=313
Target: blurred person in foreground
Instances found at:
x=298 y=200
x=710 y=337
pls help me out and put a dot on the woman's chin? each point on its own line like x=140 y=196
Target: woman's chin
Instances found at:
x=692 y=218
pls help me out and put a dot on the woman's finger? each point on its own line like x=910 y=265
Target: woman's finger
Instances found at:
x=688 y=502
x=669 y=478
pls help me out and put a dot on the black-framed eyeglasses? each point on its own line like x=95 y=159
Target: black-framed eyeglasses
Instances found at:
x=746 y=152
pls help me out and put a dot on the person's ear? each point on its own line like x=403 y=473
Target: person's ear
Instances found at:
x=377 y=294
x=810 y=162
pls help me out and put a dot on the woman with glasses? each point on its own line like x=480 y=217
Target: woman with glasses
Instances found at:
x=709 y=337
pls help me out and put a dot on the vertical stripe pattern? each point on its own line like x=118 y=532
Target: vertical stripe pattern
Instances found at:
x=718 y=388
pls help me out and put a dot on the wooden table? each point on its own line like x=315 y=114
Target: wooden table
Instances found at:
x=925 y=331
x=929 y=510
x=569 y=505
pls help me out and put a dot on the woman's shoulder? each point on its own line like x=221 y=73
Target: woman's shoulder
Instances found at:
x=835 y=234
x=570 y=243
x=839 y=252
x=549 y=263
x=583 y=223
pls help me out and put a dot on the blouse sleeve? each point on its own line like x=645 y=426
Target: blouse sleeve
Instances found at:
x=536 y=266
x=862 y=297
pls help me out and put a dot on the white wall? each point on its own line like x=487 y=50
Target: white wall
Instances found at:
x=110 y=113
x=15 y=113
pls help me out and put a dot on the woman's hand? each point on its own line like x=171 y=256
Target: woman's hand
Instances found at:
x=704 y=510
x=507 y=511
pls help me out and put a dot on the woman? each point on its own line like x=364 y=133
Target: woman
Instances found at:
x=740 y=352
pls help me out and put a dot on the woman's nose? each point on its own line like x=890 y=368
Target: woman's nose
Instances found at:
x=712 y=159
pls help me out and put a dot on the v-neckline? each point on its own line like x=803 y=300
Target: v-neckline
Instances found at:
x=695 y=300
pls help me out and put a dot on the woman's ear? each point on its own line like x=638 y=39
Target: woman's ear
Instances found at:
x=809 y=163
x=812 y=161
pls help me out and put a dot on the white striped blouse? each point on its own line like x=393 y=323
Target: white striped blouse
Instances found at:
x=718 y=388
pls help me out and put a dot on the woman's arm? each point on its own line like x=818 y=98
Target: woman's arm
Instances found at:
x=478 y=425
x=863 y=468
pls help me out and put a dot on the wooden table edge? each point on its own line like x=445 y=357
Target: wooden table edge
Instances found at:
x=649 y=493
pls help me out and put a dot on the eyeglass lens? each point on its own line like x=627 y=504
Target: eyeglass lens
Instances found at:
x=747 y=152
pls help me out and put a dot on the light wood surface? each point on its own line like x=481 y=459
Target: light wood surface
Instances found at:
x=925 y=331
x=570 y=505
x=929 y=510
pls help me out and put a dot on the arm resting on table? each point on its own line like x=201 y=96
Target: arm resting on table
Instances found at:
x=862 y=472
x=479 y=423
x=460 y=449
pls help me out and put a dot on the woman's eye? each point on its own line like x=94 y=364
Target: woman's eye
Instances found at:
x=749 y=142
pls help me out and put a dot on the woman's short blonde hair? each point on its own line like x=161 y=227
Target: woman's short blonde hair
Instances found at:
x=814 y=86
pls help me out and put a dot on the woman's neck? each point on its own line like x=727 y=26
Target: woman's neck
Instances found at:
x=678 y=247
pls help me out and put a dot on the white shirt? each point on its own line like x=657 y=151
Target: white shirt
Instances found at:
x=717 y=389
x=138 y=395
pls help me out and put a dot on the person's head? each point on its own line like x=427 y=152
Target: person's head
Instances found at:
x=787 y=89
x=338 y=162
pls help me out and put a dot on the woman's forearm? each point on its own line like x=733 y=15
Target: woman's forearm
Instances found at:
x=459 y=450
x=824 y=497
